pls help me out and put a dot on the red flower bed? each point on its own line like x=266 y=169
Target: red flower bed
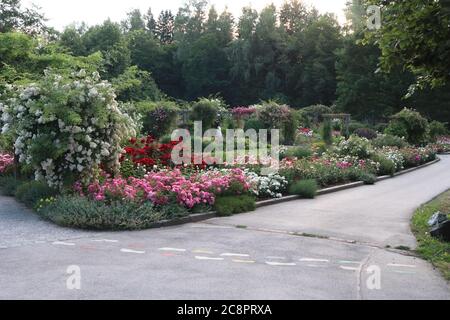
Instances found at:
x=148 y=152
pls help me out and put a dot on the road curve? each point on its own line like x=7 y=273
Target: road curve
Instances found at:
x=268 y=254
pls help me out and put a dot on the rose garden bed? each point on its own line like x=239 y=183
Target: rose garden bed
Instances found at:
x=76 y=164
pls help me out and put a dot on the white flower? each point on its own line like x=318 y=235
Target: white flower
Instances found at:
x=81 y=73
x=5 y=128
x=93 y=93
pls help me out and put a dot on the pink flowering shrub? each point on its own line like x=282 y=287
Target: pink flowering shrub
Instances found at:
x=241 y=112
x=6 y=161
x=442 y=144
x=172 y=186
x=414 y=157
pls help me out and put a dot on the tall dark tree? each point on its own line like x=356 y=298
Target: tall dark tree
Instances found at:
x=150 y=23
x=135 y=21
x=293 y=16
x=164 y=27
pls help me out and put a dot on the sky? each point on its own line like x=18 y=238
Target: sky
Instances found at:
x=64 y=12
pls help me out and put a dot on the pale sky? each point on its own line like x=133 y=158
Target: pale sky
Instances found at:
x=64 y=12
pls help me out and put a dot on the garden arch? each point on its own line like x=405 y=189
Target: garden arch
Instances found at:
x=345 y=117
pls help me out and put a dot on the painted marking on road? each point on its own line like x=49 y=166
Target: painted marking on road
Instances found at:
x=208 y=258
x=234 y=255
x=400 y=265
x=131 y=251
x=202 y=251
x=105 y=240
x=172 y=249
x=404 y=272
x=349 y=262
x=281 y=264
x=61 y=243
x=313 y=260
x=243 y=261
x=349 y=268
x=315 y=266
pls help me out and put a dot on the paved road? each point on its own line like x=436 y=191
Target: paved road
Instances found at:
x=260 y=255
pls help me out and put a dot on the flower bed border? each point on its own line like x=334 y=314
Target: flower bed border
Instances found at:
x=206 y=216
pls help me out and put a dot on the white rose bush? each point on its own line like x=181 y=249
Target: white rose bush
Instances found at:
x=65 y=127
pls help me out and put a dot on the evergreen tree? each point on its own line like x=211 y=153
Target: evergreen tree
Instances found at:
x=164 y=27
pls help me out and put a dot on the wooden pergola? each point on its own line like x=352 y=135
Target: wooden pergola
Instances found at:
x=345 y=117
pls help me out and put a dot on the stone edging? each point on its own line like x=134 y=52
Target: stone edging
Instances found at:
x=206 y=216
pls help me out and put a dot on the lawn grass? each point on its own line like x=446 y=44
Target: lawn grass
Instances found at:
x=431 y=249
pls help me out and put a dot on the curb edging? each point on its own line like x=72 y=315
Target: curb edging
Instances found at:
x=206 y=216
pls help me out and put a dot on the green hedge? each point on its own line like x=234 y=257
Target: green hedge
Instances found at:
x=304 y=188
x=229 y=205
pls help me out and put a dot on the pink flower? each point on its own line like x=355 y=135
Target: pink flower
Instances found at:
x=6 y=160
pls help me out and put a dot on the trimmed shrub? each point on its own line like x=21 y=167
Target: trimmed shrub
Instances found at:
x=387 y=140
x=368 y=178
x=81 y=212
x=273 y=115
x=290 y=129
x=387 y=166
x=229 y=205
x=30 y=193
x=304 y=188
x=327 y=132
x=366 y=133
x=437 y=129
x=158 y=117
x=409 y=124
x=207 y=111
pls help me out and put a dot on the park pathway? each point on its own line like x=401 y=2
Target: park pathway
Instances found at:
x=328 y=248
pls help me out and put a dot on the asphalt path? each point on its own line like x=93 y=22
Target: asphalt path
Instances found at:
x=338 y=246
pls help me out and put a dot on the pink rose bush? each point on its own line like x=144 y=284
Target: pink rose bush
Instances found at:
x=169 y=186
x=414 y=157
x=241 y=112
x=6 y=161
x=442 y=144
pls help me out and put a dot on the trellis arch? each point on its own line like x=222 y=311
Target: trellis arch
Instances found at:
x=345 y=117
